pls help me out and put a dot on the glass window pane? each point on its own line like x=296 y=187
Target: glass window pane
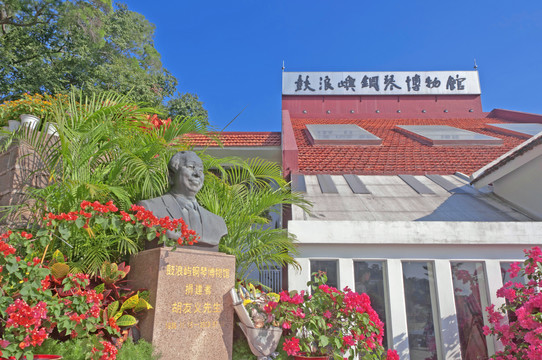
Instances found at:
x=505 y=265
x=421 y=310
x=470 y=300
x=329 y=267
x=369 y=278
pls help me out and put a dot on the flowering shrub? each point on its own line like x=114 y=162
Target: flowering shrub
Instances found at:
x=100 y=232
x=331 y=322
x=522 y=334
x=31 y=307
x=46 y=300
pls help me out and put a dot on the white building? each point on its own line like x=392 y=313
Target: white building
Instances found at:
x=394 y=213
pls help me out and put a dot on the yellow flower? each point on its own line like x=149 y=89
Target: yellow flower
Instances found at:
x=247 y=301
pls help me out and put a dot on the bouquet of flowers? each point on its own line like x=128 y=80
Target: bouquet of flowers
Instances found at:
x=260 y=306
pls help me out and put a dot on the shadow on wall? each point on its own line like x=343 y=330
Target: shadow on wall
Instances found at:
x=449 y=340
x=462 y=205
x=451 y=348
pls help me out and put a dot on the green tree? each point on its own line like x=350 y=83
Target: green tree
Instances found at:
x=187 y=105
x=54 y=45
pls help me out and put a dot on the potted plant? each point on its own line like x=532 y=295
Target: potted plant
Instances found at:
x=31 y=109
x=331 y=324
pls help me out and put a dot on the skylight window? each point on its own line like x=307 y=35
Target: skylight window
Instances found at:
x=446 y=135
x=525 y=130
x=340 y=134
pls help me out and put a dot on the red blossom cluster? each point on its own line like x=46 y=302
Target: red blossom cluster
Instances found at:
x=20 y=314
x=147 y=218
x=291 y=346
x=296 y=299
x=109 y=351
x=157 y=122
x=140 y=214
x=6 y=248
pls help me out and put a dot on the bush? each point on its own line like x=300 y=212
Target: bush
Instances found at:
x=521 y=334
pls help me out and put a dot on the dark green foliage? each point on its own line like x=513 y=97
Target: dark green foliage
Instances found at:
x=80 y=349
x=187 y=105
x=141 y=350
x=72 y=349
x=53 y=45
x=241 y=350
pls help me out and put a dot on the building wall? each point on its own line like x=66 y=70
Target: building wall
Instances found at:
x=521 y=187
x=390 y=106
x=439 y=244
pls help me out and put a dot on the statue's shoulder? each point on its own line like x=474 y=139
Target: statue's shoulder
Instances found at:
x=213 y=218
x=154 y=201
x=158 y=205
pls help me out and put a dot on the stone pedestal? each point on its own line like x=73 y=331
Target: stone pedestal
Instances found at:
x=189 y=290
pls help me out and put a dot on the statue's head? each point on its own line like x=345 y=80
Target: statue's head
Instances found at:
x=185 y=173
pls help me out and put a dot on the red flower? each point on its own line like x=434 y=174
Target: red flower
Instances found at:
x=291 y=346
x=348 y=341
x=392 y=355
x=286 y=325
x=270 y=306
x=6 y=248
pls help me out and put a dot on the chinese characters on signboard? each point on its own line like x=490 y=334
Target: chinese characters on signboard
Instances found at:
x=381 y=83
x=197 y=306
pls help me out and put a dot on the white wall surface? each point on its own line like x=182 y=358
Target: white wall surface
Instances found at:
x=523 y=187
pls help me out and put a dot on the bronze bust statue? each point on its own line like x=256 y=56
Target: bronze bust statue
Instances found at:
x=185 y=172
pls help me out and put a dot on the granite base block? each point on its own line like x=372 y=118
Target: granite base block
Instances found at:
x=189 y=290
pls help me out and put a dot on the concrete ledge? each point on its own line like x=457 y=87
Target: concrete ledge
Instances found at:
x=416 y=232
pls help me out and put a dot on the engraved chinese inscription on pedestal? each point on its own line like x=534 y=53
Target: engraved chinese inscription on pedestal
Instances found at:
x=193 y=315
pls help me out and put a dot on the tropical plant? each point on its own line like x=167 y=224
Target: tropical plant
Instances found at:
x=245 y=194
x=106 y=148
x=43 y=301
x=331 y=322
x=521 y=334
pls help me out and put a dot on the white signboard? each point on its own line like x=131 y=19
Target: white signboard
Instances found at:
x=381 y=83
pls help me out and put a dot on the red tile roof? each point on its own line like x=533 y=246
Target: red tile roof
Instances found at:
x=398 y=153
x=233 y=139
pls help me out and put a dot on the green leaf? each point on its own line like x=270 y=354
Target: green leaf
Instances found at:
x=130 y=303
x=11 y=268
x=323 y=341
x=142 y=305
x=58 y=256
x=100 y=288
x=103 y=222
x=112 y=309
x=64 y=231
x=129 y=229
x=80 y=222
x=126 y=320
x=115 y=224
x=151 y=235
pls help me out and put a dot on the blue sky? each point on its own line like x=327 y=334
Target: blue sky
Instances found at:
x=230 y=53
